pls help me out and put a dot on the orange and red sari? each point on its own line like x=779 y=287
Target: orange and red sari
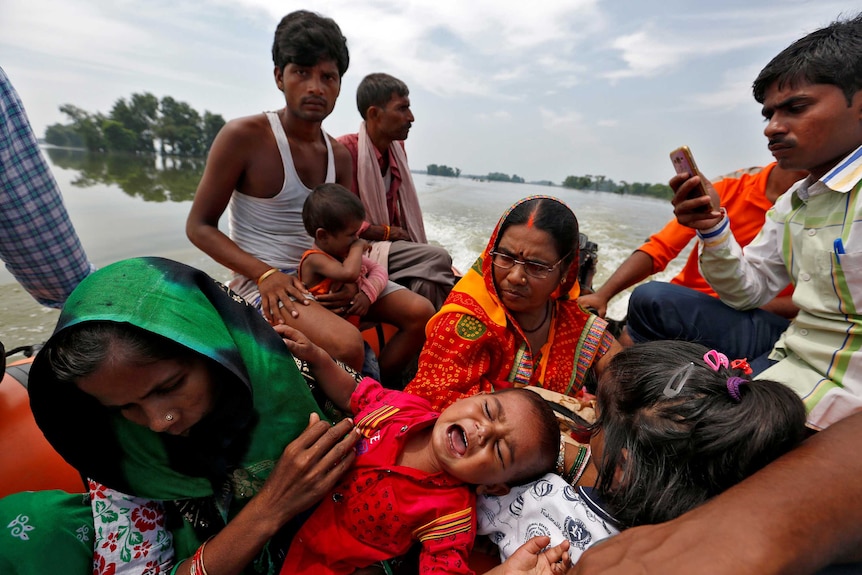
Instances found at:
x=475 y=345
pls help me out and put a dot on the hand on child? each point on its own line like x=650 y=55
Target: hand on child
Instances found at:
x=276 y=292
x=338 y=301
x=359 y=306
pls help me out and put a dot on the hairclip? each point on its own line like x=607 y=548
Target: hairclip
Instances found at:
x=715 y=359
x=677 y=380
x=741 y=364
x=733 y=384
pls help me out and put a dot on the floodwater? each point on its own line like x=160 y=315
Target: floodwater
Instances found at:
x=132 y=206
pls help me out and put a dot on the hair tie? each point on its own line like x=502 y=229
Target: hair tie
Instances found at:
x=741 y=364
x=733 y=384
x=715 y=359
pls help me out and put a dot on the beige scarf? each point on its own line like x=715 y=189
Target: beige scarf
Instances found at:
x=372 y=190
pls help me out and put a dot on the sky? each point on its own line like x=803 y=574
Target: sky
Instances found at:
x=542 y=89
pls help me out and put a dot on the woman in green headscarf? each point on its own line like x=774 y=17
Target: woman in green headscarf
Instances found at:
x=177 y=400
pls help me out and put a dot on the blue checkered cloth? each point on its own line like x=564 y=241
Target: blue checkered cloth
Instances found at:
x=37 y=240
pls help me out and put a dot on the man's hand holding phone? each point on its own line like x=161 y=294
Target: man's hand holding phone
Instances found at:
x=695 y=200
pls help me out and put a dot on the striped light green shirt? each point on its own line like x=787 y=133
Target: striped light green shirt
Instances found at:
x=812 y=237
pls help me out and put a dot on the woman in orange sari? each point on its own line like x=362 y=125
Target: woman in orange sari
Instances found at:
x=513 y=319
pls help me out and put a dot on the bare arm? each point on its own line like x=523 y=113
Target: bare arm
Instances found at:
x=636 y=268
x=346 y=271
x=337 y=384
x=800 y=513
x=227 y=169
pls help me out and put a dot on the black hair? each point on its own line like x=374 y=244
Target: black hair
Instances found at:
x=376 y=90
x=305 y=38
x=78 y=351
x=546 y=430
x=331 y=207
x=830 y=55
x=552 y=216
x=664 y=455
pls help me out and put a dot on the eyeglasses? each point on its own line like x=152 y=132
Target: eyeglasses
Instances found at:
x=532 y=269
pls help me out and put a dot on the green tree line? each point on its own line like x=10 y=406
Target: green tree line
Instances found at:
x=605 y=184
x=500 y=177
x=138 y=125
x=443 y=170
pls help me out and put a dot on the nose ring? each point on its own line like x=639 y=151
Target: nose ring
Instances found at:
x=169 y=417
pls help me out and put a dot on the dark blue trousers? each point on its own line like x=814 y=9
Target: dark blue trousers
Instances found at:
x=659 y=310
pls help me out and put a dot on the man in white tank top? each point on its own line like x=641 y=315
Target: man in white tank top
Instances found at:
x=264 y=166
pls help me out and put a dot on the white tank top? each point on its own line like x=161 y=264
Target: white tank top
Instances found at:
x=271 y=229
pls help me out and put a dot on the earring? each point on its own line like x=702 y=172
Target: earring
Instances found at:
x=169 y=417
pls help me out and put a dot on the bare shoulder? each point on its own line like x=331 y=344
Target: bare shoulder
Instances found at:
x=343 y=163
x=246 y=128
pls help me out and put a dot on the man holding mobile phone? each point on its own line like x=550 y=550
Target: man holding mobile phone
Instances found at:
x=802 y=512
x=814 y=122
x=662 y=310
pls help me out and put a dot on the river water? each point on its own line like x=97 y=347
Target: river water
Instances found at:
x=124 y=207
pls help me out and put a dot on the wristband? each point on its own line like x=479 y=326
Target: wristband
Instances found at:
x=266 y=274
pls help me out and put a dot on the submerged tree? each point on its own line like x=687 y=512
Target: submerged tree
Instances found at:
x=135 y=124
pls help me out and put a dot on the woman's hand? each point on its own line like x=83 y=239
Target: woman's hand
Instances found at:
x=308 y=469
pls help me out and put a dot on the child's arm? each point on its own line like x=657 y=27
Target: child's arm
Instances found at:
x=529 y=559
x=346 y=271
x=337 y=384
x=374 y=278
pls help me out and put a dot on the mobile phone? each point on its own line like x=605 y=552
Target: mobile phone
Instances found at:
x=683 y=163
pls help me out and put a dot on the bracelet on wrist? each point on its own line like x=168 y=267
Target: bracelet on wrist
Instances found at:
x=386 y=232
x=265 y=275
x=579 y=465
x=561 y=457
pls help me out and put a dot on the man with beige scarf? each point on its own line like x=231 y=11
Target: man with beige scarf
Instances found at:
x=381 y=179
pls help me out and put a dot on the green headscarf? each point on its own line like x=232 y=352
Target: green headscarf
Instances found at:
x=188 y=307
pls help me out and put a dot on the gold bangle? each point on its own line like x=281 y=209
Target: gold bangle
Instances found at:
x=266 y=274
x=386 y=230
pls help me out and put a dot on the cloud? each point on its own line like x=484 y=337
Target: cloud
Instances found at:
x=734 y=91
x=453 y=48
x=496 y=116
x=657 y=47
